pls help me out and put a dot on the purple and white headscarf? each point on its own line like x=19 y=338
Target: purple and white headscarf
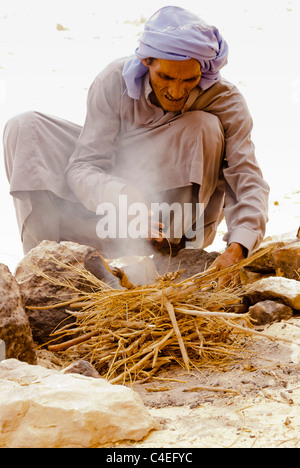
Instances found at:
x=174 y=33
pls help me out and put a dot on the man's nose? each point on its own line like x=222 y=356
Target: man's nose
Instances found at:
x=176 y=90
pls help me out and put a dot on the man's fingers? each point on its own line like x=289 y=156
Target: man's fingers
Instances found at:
x=156 y=231
x=157 y=235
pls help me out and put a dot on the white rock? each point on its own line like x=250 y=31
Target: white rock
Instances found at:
x=42 y=408
x=275 y=287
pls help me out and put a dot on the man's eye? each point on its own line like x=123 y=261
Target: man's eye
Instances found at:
x=165 y=77
x=192 y=79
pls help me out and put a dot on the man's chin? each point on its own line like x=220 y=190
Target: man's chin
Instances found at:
x=172 y=107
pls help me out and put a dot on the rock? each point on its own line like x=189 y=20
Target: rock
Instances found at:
x=48 y=360
x=50 y=274
x=287 y=261
x=192 y=261
x=275 y=288
x=14 y=325
x=93 y=263
x=42 y=408
x=269 y=311
x=83 y=368
x=2 y=350
x=248 y=277
x=286 y=237
x=265 y=263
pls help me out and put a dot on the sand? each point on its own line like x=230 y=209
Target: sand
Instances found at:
x=251 y=403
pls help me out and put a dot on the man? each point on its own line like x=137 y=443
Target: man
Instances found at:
x=161 y=127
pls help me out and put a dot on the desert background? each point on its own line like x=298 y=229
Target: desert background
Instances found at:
x=51 y=51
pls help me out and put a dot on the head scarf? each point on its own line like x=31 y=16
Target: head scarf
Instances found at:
x=174 y=33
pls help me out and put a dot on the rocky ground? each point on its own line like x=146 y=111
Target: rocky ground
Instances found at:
x=259 y=406
x=251 y=401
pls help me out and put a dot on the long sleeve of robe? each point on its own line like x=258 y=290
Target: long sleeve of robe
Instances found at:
x=118 y=131
x=246 y=193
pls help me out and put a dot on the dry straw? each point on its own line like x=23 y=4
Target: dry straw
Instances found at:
x=129 y=333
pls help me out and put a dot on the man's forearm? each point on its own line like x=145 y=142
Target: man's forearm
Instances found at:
x=233 y=254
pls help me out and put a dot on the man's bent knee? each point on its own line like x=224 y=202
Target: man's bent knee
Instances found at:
x=13 y=125
x=206 y=121
x=10 y=137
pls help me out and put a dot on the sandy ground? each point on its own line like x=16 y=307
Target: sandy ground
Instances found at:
x=253 y=402
x=49 y=68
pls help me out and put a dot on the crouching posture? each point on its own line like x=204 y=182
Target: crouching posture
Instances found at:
x=163 y=129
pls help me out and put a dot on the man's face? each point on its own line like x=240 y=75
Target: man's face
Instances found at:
x=172 y=81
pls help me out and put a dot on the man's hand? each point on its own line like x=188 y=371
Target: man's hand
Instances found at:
x=154 y=228
x=233 y=254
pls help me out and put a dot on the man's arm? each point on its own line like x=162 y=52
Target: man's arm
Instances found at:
x=233 y=254
x=90 y=166
x=246 y=192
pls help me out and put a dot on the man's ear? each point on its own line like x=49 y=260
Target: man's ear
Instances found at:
x=145 y=62
x=148 y=61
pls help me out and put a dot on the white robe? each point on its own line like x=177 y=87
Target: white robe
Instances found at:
x=132 y=142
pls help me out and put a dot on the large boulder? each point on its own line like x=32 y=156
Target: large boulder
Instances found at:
x=52 y=274
x=15 y=332
x=43 y=408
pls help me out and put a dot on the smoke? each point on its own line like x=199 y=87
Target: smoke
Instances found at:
x=155 y=155
x=155 y=221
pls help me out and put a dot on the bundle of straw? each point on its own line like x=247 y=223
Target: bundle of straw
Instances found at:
x=129 y=333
